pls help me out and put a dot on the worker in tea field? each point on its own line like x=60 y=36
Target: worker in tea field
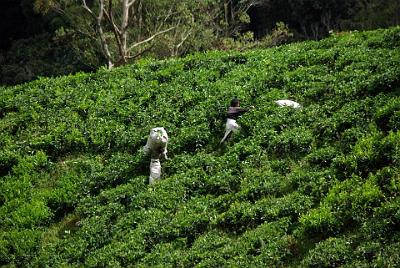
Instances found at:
x=234 y=111
x=156 y=146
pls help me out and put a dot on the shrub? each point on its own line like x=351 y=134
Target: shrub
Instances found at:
x=320 y=221
x=332 y=252
x=383 y=224
x=18 y=247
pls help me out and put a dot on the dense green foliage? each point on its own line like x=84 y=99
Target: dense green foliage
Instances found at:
x=315 y=187
x=48 y=56
x=59 y=37
x=314 y=18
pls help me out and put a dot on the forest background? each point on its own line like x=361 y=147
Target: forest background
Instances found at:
x=57 y=37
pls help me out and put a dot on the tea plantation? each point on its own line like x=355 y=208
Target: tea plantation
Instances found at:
x=310 y=187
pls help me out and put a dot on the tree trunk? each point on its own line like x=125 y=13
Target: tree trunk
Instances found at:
x=120 y=30
x=124 y=30
x=228 y=11
x=100 y=32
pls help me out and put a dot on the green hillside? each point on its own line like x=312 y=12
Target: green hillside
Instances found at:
x=311 y=187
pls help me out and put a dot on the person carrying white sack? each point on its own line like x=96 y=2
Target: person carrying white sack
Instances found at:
x=234 y=111
x=156 y=146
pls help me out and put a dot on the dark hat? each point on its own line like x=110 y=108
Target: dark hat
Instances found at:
x=235 y=102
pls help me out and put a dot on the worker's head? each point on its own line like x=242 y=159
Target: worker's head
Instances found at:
x=235 y=102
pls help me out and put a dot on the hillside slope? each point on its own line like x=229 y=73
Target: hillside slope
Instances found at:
x=315 y=187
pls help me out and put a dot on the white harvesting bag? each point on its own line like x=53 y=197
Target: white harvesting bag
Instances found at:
x=156 y=146
x=157 y=143
x=288 y=103
x=155 y=170
x=231 y=126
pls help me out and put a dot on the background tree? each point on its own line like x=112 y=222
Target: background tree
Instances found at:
x=372 y=14
x=126 y=29
x=313 y=19
x=55 y=37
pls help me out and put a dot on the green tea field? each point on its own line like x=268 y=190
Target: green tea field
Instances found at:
x=312 y=187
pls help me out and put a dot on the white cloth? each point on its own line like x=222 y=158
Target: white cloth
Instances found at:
x=157 y=143
x=155 y=170
x=288 y=103
x=231 y=126
x=156 y=146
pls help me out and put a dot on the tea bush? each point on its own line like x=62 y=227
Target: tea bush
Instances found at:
x=332 y=252
x=310 y=187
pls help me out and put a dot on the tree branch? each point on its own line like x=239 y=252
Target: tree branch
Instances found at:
x=116 y=31
x=131 y=3
x=184 y=37
x=110 y=17
x=150 y=38
x=141 y=52
x=88 y=9
x=100 y=31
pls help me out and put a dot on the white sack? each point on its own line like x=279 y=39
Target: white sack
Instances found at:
x=156 y=146
x=231 y=126
x=157 y=143
x=289 y=103
x=155 y=170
